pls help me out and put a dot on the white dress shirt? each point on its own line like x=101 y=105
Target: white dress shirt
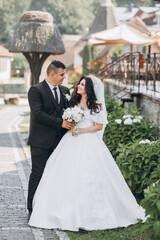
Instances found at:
x=53 y=92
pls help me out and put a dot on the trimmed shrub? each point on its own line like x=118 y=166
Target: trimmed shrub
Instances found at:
x=134 y=143
x=138 y=164
x=126 y=127
x=151 y=203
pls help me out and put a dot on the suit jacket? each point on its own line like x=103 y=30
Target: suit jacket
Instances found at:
x=46 y=118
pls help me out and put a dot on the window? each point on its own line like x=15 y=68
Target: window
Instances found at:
x=158 y=19
x=3 y=65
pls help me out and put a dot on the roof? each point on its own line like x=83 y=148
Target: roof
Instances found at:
x=123 y=34
x=69 y=39
x=124 y=14
x=154 y=29
x=109 y=16
x=149 y=9
x=4 y=52
x=105 y=19
x=138 y=24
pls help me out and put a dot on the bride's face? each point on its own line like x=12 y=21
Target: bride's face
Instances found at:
x=81 y=87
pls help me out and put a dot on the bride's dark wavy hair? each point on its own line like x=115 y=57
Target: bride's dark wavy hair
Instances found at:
x=91 y=97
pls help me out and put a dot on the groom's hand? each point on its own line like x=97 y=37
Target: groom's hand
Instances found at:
x=68 y=125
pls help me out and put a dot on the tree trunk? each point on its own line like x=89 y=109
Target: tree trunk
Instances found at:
x=35 y=61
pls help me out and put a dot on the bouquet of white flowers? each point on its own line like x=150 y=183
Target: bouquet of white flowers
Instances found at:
x=75 y=114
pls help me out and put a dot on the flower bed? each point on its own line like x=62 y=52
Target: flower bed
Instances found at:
x=135 y=144
x=126 y=128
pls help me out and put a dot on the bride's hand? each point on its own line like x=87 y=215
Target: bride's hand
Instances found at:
x=75 y=131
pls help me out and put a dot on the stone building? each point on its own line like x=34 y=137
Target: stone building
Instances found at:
x=105 y=18
x=5 y=64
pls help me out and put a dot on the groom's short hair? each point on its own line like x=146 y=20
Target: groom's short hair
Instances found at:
x=54 y=66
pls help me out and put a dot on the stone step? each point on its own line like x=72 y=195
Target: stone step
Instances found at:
x=127 y=99
x=134 y=94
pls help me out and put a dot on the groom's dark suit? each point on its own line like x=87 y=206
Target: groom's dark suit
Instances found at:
x=45 y=129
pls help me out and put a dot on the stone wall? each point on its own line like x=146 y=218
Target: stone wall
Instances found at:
x=6 y=88
x=150 y=106
x=17 y=86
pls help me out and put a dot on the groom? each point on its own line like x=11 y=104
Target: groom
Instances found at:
x=47 y=102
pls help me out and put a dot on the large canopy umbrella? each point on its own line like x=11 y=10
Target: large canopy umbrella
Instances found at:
x=122 y=34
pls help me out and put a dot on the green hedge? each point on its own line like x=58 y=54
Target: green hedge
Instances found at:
x=135 y=144
x=137 y=162
x=151 y=203
x=130 y=130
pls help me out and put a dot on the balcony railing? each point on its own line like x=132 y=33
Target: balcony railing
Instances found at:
x=136 y=71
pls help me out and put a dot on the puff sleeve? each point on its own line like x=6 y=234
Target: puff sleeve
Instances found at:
x=100 y=118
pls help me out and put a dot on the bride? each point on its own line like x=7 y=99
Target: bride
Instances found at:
x=82 y=186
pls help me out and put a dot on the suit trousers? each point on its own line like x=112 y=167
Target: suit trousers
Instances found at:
x=39 y=158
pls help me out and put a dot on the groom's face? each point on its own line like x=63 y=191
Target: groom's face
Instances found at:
x=58 y=76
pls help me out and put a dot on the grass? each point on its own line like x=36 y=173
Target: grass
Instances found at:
x=24 y=125
x=16 y=78
x=114 y=234
x=6 y=105
x=2 y=106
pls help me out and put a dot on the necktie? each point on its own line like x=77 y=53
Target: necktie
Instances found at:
x=56 y=95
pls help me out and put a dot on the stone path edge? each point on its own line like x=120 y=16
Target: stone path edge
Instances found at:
x=38 y=234
x=61 y=234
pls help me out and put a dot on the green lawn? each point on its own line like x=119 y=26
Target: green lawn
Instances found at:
x=16 y=78
x=2 y=106
x=115 y=234
x=6 y=105
x=24 y=125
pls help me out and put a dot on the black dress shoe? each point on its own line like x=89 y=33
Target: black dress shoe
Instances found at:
x=29 y=215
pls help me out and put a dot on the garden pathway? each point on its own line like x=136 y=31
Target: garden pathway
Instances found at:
x=14 y=175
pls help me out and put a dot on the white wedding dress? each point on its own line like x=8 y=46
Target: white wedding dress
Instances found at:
x=82 y=186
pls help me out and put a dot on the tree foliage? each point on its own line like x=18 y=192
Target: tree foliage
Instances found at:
x=118 y=51
x=10 y=13
x=136 y=3
x=90 y=54
x=19 y=62
x=4 y=36
x=71 y=16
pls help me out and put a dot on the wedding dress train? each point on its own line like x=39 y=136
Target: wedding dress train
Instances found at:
x=82 y=186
